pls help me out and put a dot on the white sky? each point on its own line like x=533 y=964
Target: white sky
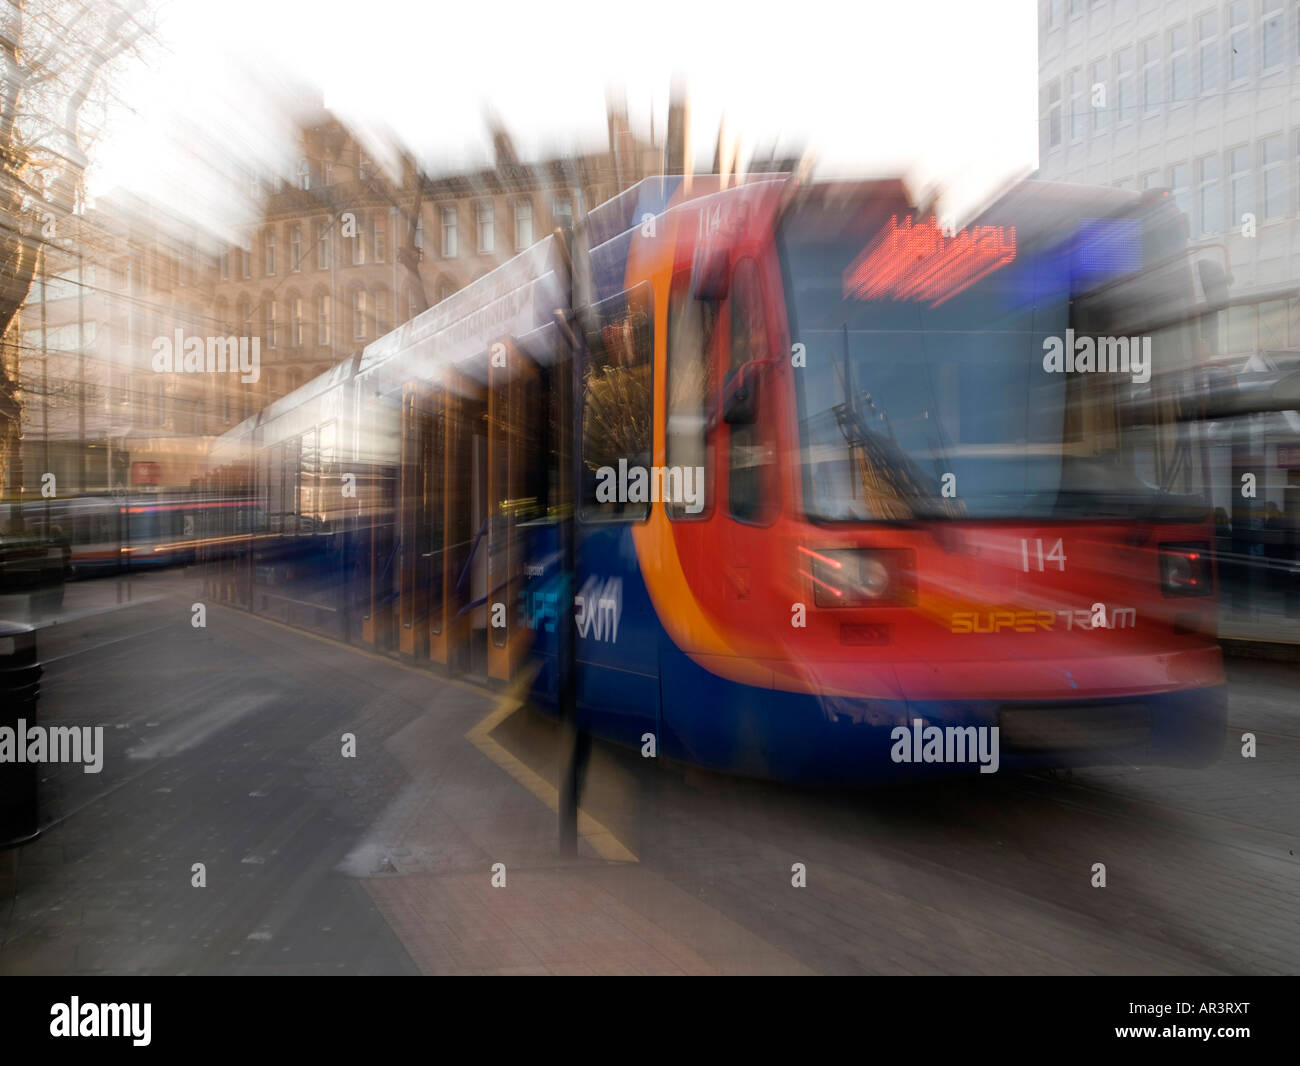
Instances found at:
x=945 y=90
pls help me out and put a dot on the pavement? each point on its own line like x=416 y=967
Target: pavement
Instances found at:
x=435 y=848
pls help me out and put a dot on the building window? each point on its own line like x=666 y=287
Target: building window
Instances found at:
x=562 y=213
x=358 y=242
x=322 y=245
x=1124 y=83
x=295 y=248
x=268 y=245
x=1097 y=99
x=364 y=167
x=304 y=174
x=523 y=225
x=1150 y=74
x=1296 y=183
x=246 y=261
x=272 y=326
x=381 y=230
x=450 y=234
x=1209 y=202
x=486 y=228
x=295 y=322
x=1238 y=41
x=1179 y=182
x=1179 y=89
x=1271 y=35
x=1272 y=165
x=1054 y=113
x=223 y=264
x=359 y=314
x=1207 y=45
x=323 y=320
x=1149 y=180
x=1078 y=105
x=419 y=234
x=1239 y=178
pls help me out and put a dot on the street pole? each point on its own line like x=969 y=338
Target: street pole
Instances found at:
x=45 y=389
x=81 y=362
x=576 y=744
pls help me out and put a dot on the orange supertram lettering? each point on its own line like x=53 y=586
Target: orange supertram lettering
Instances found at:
x=917 y=261
x=998 y=621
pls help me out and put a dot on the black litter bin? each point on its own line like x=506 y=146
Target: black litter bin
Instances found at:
x=20 y=687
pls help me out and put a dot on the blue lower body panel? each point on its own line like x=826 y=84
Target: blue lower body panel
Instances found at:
x=810 y=739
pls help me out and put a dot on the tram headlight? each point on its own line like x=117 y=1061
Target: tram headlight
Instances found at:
x=863 y=577
x=1185 y=569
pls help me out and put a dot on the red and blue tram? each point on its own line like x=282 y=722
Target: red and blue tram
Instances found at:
x=833 y=471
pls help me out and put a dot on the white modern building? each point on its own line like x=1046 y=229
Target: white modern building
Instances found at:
x=1201 y=97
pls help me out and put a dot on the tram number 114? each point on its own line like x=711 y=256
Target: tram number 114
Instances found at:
x=1056 y=554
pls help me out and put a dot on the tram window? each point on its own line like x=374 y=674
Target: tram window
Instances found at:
x=289 y=500
x=690 y=326
x=262 y=502
x=307 y=491
x=752 y=451
x=275 y=483
x=326 y=500
x=618 y=408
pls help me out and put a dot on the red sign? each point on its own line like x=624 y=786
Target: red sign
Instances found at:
x=921 y=262
x=145 y=473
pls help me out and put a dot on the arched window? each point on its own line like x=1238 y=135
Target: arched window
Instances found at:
x=295 y=320
x=380 y=310
x=323 y=313
x=271 y=324
x=359 y=313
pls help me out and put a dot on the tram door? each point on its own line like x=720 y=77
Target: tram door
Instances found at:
x=382 y=435
x=515 y=446
x=416 y=526
x=459 y=408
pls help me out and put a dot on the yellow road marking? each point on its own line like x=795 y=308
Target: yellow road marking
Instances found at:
x=601 y=839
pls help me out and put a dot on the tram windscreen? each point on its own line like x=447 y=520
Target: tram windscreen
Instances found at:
x=930 y=388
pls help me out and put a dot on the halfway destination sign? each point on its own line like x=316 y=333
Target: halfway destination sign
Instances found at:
x=918 y=261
